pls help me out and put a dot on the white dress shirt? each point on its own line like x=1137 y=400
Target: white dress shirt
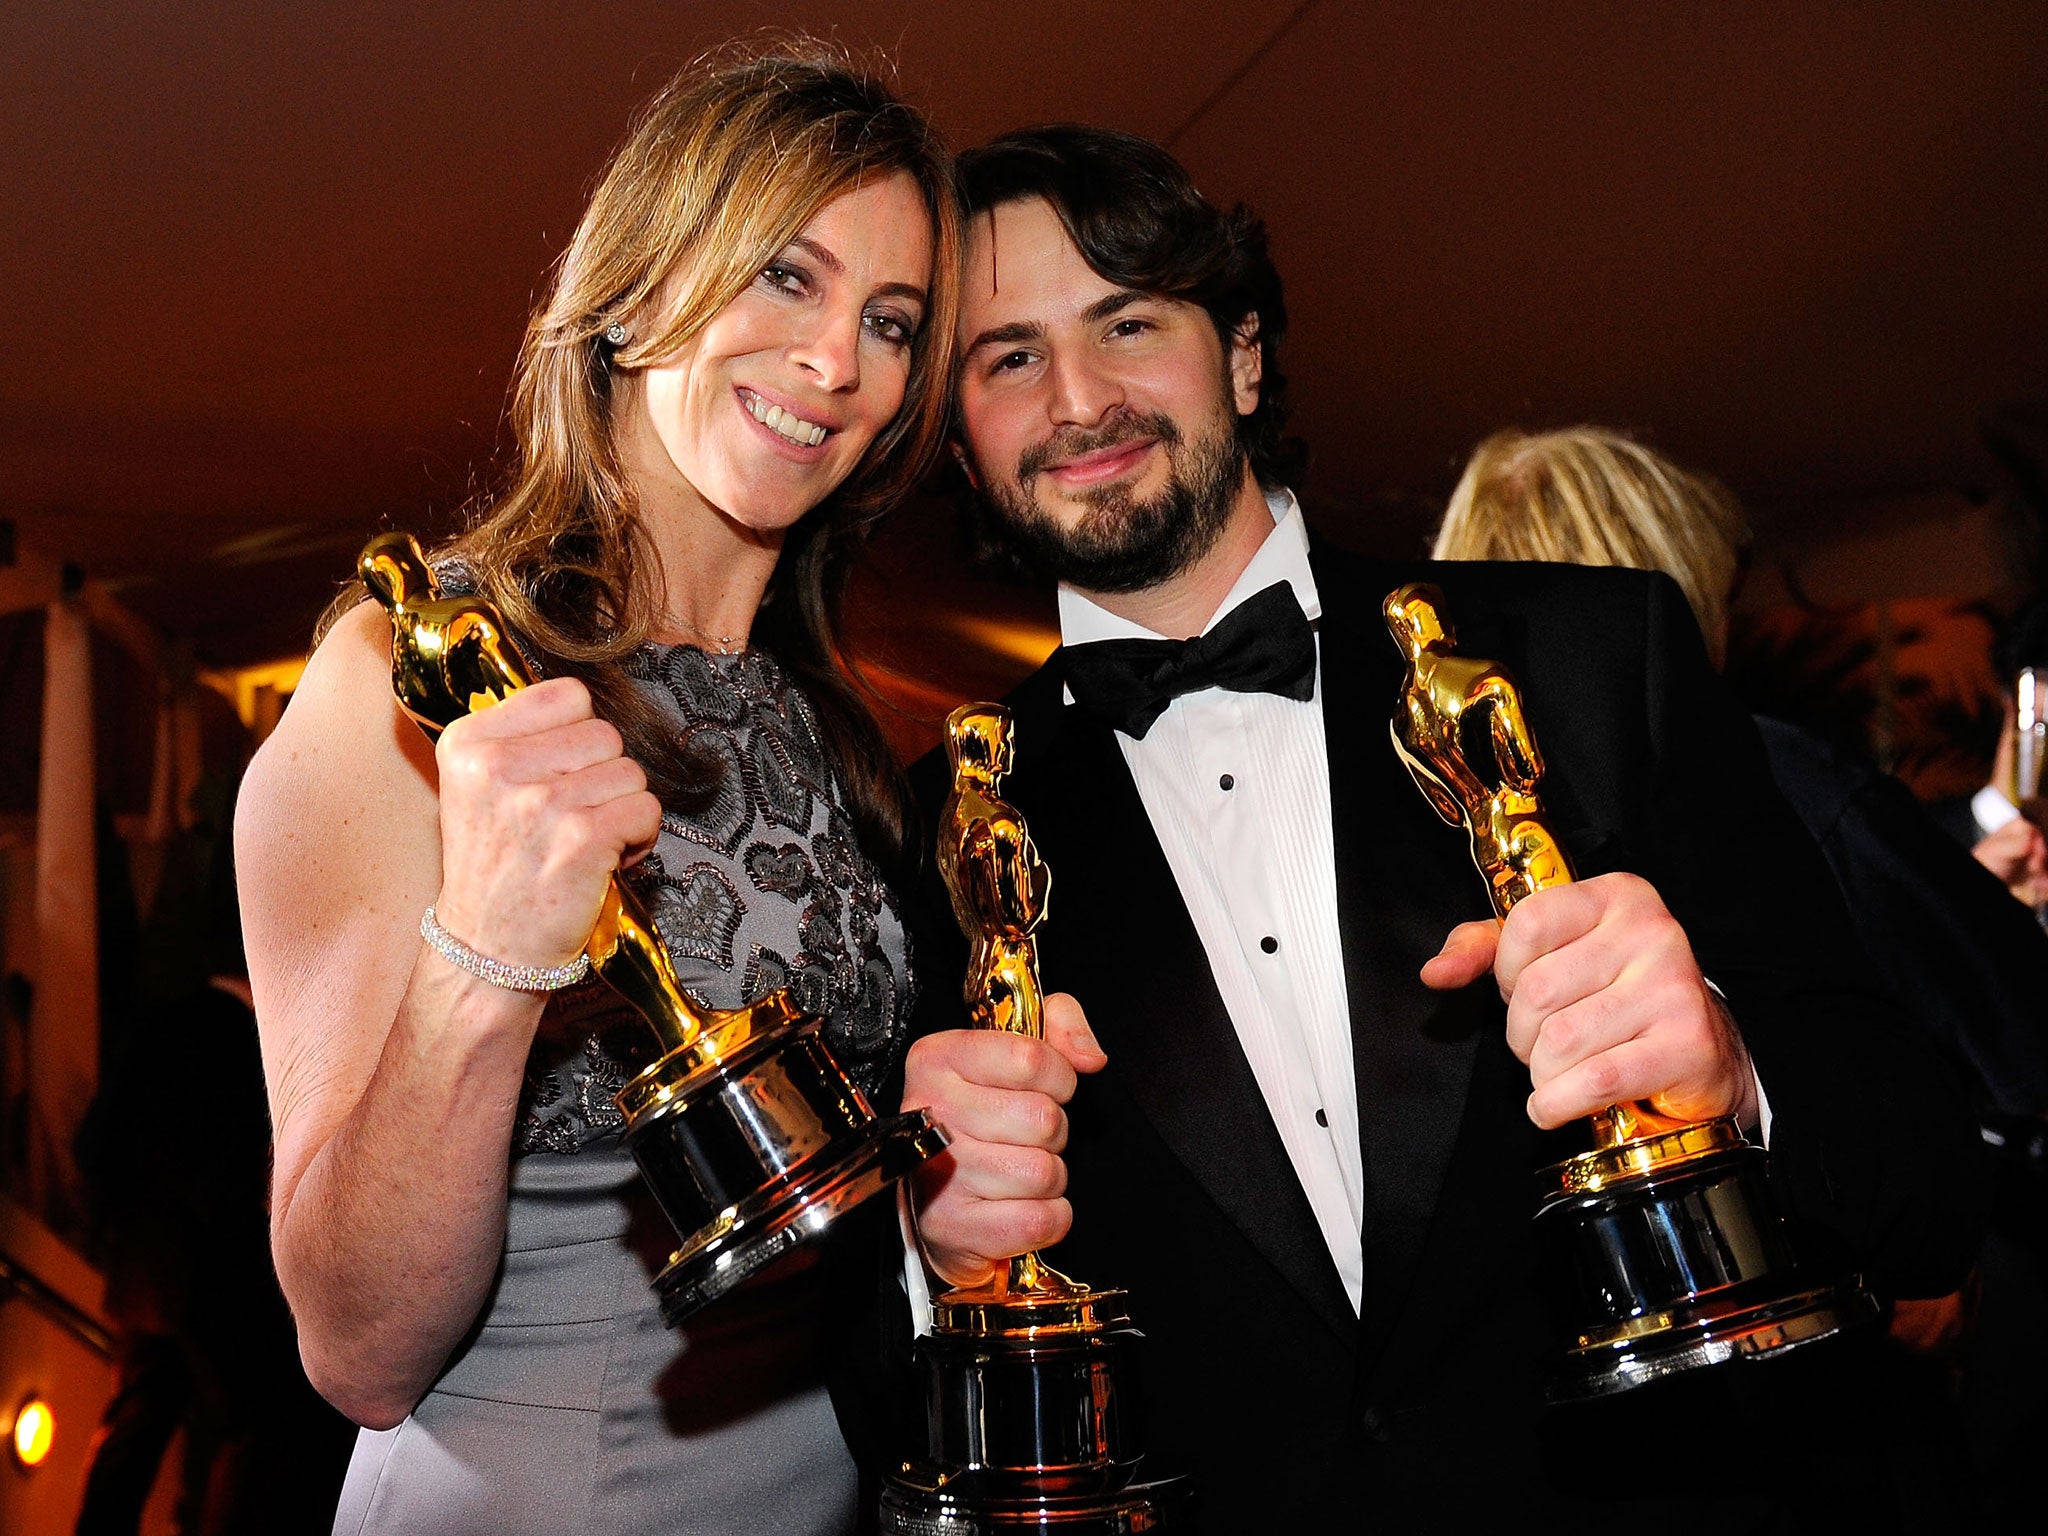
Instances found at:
x=1237 y=788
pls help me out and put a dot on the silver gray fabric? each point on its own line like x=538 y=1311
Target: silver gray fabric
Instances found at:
x=571 y=1408
x=575 y=1410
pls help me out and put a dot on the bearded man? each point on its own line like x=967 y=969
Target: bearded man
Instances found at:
x=1302 y=1130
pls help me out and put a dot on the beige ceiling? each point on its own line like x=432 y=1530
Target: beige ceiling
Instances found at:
x=264 y=265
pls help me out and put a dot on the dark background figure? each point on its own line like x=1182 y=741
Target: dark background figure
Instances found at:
x=2006 y=837
x=176 y=1154
x=2004 y=1356
x=1970 y=963
x=1953 y=946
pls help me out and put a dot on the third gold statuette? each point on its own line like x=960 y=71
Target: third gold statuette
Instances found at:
x=1662 y=1248
x=1030 y=1376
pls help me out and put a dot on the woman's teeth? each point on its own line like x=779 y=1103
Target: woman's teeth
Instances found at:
x=788 y=423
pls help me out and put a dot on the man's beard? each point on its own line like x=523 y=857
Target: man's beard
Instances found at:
x=1123 y=544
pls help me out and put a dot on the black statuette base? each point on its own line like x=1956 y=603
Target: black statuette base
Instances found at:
x=1032 y=1434
x=1054 y=1408
x=922 y=1501
x=1663 y=1273
x=752 y=1157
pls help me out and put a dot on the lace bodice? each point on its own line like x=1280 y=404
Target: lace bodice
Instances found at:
x=764 y=886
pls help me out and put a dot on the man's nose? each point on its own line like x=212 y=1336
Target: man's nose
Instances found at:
x=1082 y=392
x=829 y=351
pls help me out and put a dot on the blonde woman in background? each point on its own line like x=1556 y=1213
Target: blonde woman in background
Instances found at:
x=1588 y=496
x=743 y=361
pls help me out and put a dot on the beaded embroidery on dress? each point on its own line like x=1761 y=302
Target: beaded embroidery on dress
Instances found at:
x=764 y=886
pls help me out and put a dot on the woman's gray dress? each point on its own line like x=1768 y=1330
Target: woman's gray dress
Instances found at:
x=570 y=1407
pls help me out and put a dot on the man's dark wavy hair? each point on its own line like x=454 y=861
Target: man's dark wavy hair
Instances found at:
x=1137 y=219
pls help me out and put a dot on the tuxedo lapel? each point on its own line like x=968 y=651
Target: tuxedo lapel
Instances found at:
x=1119 y=937
x=1404 y=879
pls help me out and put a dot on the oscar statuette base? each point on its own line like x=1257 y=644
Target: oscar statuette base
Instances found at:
x=1666 y=1254
x=924 y=1501
x=1029 y=1417
x=753 y=1141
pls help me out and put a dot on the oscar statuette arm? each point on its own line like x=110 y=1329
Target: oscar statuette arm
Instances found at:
x=1514 y=744
x=1021 y=881
x=974 y=885
x=1440 y=798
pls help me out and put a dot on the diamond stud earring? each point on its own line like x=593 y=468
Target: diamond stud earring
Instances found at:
x=615 y=333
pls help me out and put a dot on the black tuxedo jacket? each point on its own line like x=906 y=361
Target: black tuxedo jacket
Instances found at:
x=1940 y=928
x=1291 y=1411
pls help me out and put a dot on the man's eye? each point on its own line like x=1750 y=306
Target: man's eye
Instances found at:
x=1130 y=327
x=1010 y=362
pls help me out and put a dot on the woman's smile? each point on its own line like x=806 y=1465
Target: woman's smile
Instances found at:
x=797 y=433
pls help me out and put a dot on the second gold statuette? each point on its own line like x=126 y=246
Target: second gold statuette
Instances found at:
x=1030 y=1378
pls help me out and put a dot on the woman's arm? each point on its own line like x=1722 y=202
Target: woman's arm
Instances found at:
x=394 y=1076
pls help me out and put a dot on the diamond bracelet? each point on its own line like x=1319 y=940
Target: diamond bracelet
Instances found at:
x=514 y=978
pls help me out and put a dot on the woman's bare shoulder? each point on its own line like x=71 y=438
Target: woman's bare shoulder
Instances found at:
x=338 y=804
x=342 y=733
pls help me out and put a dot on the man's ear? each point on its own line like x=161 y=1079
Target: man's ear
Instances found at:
x=960 y=457
x=1247 y=364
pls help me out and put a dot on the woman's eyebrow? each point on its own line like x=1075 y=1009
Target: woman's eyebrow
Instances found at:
x=826 y=258
x=818 y=253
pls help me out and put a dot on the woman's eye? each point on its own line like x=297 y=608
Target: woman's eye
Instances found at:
x=786 y=278
x=893 y=329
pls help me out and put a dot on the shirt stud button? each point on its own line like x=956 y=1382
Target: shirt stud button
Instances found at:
x=1322 y=1119
x=1227 y=782
x=1269 y=944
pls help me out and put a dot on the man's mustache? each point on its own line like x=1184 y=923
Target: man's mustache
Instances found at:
x=1072 y=442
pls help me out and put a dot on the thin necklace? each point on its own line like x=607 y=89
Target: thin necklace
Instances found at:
x=727 y=645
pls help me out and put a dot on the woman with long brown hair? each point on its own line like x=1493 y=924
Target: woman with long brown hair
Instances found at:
x=742 y=362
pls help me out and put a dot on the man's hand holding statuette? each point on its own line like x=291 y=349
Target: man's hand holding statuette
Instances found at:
x=999 y=1188
x=1606 y=1004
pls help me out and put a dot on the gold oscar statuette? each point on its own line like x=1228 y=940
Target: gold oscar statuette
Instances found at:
x=1662 y=1247
x=749 y=1134
x=1029 y=1377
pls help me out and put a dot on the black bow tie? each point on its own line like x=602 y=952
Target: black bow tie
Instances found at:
x=1264 y=645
